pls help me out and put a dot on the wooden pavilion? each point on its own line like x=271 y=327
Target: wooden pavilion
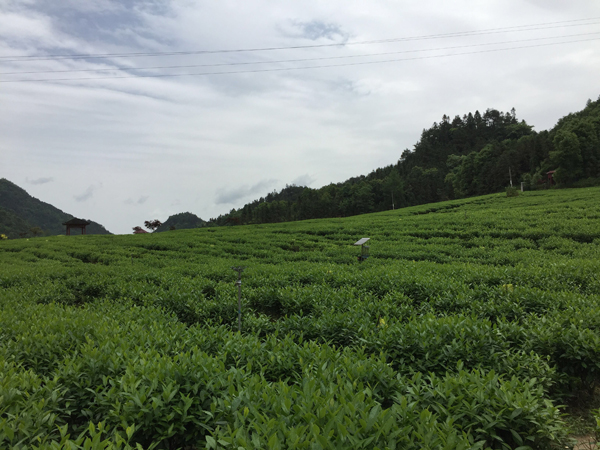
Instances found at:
x=76 y=223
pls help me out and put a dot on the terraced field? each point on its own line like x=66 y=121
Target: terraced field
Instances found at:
x=469 y=326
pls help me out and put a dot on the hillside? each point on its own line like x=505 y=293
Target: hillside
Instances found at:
x=469 y=325
x=20 y=213
x=455 y=158
x=11 y=224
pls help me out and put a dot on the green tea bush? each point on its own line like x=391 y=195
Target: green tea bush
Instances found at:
x=513 y=414
x=468 y=323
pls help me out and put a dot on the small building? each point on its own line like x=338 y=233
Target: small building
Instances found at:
x=139 y=231
x=76 y=223
x=551 y=177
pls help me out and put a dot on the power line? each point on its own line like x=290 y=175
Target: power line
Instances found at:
x=296 y=60
x=297 y=68
x=519 y=28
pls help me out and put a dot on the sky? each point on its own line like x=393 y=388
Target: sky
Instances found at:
x=129 y=110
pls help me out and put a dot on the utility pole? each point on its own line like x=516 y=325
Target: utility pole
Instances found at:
x=238 y=283
x=510 y=175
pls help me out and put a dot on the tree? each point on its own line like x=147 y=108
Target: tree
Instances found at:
x=393 y=185
x=364 y=200
x=152 y=224
x=567 y=156
x=423 y=184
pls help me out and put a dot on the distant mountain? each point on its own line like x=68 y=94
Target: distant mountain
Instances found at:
x=182 y=221
x=23 y=215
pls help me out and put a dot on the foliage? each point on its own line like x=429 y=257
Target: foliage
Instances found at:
x=152 y=224
x=512 y=192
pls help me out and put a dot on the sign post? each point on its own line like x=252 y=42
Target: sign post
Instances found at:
x=364 y=249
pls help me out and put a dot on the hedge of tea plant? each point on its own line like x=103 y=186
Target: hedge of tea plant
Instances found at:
x=468 y=326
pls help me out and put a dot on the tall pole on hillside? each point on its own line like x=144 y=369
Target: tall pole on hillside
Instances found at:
x=510 y=175
x=238 y=283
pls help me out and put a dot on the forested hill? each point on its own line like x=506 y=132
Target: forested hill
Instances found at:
x=182 y=221
x=455 y=158
x=22 y=215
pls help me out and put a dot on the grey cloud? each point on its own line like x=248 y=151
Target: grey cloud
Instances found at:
x=303 y=180
x=316 y=29
x=232 y=195
x=42 y=180
x=100 y=25
x=89 y=192
x=139 y=201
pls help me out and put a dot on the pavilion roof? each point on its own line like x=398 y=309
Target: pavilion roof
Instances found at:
x=76 y=221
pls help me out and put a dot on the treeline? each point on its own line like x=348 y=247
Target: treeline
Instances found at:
x=475 y=154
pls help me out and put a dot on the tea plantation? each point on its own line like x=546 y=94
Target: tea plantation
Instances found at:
x=469 y=326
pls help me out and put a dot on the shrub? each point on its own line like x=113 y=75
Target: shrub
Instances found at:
x=512 y=192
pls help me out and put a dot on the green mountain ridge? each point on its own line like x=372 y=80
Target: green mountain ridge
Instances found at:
x=22 y=215
x=182 y=221
x=467 y=156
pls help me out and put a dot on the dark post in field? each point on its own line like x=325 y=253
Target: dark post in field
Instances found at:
x=238 y=283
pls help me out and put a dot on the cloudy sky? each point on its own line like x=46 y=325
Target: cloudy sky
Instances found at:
x=129 y=110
